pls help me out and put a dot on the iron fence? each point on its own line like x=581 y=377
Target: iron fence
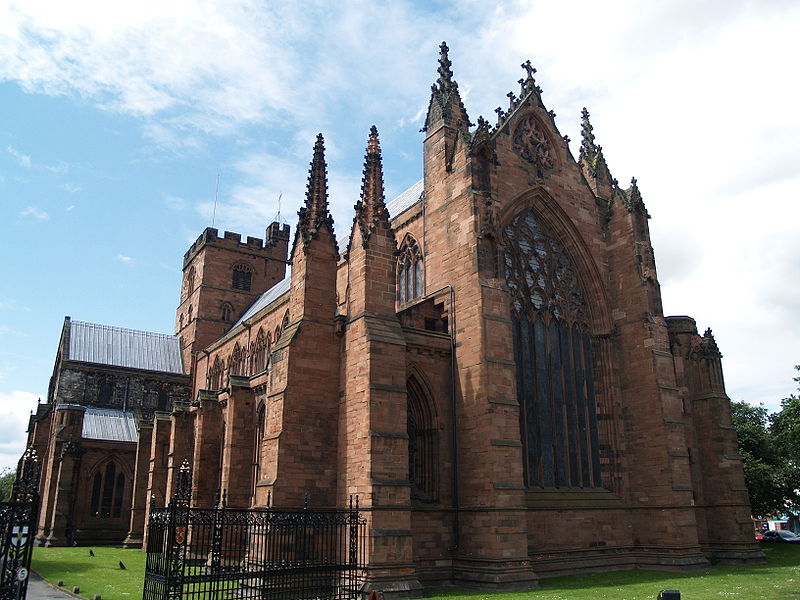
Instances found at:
x=261 y=554
x=18 y=528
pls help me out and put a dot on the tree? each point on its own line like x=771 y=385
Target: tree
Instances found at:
x=770 y=449
x=7 y=477
x=785 y=430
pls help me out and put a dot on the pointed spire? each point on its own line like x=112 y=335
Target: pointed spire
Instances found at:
x=445 y=104
x=445 y=79
x=315 y=213
x=588 y=151
x=709 y=345
x=634 y=196
x=371 y=208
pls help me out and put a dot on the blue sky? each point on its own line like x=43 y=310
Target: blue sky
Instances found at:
x=115 y=119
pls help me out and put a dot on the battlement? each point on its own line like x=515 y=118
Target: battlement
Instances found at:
x=276 y=236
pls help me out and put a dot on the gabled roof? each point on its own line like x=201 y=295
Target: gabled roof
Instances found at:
x=118 y=347
x=109 y=424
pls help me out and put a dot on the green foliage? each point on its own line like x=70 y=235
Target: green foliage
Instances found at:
x=98 y=574
x=770 y=447
x=6 y=483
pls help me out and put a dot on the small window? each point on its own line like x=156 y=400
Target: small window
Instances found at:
x=242 y=277
x=227 y=312
x=106 y=393
x=410 y=276
x=190 y=281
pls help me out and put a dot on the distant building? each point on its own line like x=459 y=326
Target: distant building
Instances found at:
x=485 y=362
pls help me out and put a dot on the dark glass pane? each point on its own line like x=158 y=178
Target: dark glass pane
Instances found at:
x=591 y=407
x=544 y=412
x=108 y=490
x=570 y=407
x=119 y=495
x=557 y=424
x=96 y=485
x=580 y=388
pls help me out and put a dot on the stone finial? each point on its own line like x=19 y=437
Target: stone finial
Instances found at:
x=709 y=346
x=445 y=79
x=445 y=105
x=371 y=208
x=588 y=152
x=315 y=214
x=529 y=69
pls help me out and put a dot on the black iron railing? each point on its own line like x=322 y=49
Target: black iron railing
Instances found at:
x=262 y=554
x=18 y=528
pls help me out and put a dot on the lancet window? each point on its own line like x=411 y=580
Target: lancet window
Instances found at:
x=227 y=312
x=423 y=444
x=410 y=274
x=108 y=492
x=260 y=352
x=553 y=355
x=242 y=277
x=237 y=361
x=215 y=374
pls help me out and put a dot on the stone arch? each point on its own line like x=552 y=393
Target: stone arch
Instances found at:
x=109 y=488
x=558 y=223
x=422 y=426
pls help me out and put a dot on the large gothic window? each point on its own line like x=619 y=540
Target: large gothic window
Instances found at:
x=215 y=374
x=553 y=355
x=409 y=271
x=108 y=491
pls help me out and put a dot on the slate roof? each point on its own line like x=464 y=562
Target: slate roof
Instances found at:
x=118 y=347
x=267 y=298
x=109 y=424
x=406 y=200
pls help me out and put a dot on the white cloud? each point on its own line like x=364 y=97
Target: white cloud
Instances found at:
x=34 y=213
x=70 y=208
x=22 y=159
x=71 y=188
x=124 y=259
x=15 y=409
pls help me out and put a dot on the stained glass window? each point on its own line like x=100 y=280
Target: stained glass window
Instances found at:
x=553 y=355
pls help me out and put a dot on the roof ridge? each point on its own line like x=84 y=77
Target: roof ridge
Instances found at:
x=124 y=329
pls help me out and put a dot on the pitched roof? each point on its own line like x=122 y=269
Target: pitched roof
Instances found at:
x=267 y=298
x=115 y=346
x=109 y=424
x=406 y=200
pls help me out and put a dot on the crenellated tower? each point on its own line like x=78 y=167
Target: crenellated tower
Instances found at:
x=222 y=276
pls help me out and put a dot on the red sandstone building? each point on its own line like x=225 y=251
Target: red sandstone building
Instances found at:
x=484 y=362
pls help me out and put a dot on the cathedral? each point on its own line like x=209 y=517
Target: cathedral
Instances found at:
x=484 y=361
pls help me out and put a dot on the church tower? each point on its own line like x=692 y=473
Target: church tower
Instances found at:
x=222 y=277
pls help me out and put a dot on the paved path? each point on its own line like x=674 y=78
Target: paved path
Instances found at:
x=39 y=589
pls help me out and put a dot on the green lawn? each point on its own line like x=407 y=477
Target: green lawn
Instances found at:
x=780 y=579
x=98 y=574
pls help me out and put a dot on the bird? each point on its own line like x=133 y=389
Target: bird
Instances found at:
x=90 y=552
x=122 y=565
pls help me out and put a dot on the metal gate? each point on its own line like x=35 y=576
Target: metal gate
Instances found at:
x=261 y=554
x=18 y=528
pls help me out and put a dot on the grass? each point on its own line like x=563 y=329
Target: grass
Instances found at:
x=98 y=574
x=779 y=579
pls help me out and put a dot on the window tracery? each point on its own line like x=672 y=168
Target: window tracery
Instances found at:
x=553 y=356
x=410 y=275
x=108 y=492
x=242 y=277
x=531 y=144
x=237 y=361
